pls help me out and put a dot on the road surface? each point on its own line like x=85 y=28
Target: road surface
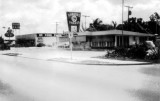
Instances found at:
x=25 y=79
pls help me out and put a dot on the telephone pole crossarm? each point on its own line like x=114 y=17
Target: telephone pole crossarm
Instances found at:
x=129 y=12
x=85 y=19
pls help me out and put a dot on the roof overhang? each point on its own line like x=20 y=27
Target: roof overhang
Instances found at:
x=115 y=32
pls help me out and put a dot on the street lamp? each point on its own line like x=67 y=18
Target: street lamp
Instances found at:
x=129 y=11
x=85 y=19
x=122 y=23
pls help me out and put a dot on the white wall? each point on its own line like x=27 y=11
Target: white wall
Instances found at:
x=79 y=39
x=131 y=40
x=46 y=40
x=137 y=40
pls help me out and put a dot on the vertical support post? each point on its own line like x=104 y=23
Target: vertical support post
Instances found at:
x=71 y=47
x=70 y=36
x=115 y=42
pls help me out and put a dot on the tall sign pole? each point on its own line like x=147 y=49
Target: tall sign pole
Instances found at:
x=122 y=22
x=9 y=33
x=73 y=19
x=15 y=27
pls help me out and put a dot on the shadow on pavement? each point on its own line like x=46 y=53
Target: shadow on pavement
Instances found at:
x=145 y=95
x=154 y=71
x=5 y=89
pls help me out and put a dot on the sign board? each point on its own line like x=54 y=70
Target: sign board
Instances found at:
x=9 y=33
x=75 y=34
x=15 y=25
x=73 y=19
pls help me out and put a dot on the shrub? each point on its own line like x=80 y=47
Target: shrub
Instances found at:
x=1 y=40
x=117 y=53
x=141 y=51
x=4 y=47
x=137 y=51
x=121 y=51
x=152 y=54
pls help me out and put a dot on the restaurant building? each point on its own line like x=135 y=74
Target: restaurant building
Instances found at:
x=86 y=40
x=108 y=39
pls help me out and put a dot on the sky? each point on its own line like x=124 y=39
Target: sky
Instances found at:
x=38 y=16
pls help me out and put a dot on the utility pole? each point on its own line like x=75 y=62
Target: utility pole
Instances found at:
x=57 y=32
x=57 y=27
x=129 y=12
x=85 y=20
x=122 y=23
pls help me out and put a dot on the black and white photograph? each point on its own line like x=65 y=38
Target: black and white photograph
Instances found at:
x=79 y=50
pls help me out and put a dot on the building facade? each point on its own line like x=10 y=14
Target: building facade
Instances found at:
x=48 y=39
x=86 y=40
x=109 y=39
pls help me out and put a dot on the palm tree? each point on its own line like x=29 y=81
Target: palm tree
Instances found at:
x=98 y=25
x=114 y=24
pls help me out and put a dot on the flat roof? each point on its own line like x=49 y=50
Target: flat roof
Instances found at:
x=114 y=32
x=36 y=34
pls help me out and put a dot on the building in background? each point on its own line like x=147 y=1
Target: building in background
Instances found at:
x=28 y=40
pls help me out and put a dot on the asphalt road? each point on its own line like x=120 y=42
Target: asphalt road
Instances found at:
x=24 y=79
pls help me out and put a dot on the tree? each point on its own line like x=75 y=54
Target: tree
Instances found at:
x=98 y=25
x=114 y=24
x=138 y=25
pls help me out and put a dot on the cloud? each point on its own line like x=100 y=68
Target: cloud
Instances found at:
x=145 y=10
x=133 y=2
x=41 y=15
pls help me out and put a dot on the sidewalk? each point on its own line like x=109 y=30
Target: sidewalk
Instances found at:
x=79 y=57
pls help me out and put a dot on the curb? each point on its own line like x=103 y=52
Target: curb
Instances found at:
x=104 y=63
x=82 y=62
